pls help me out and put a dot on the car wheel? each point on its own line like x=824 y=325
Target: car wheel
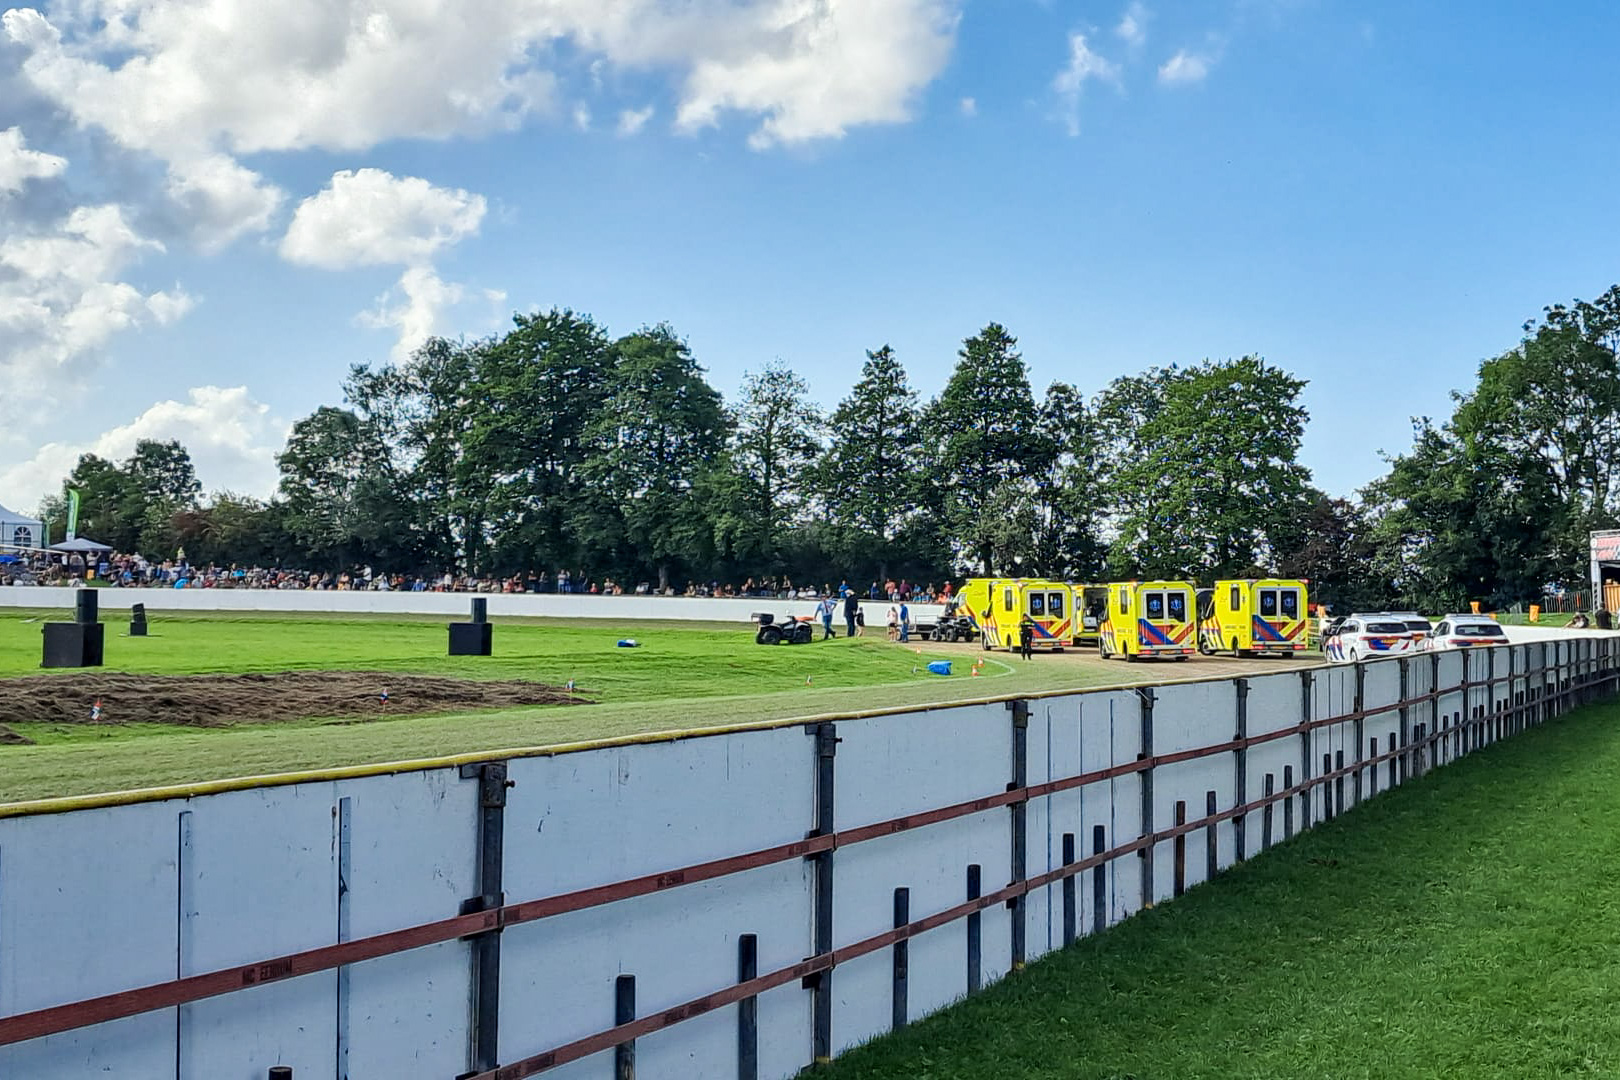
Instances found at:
x=769 y=635
x=1353 y=658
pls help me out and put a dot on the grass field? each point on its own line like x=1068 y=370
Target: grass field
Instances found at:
x=1466 y=925
x=683 y=675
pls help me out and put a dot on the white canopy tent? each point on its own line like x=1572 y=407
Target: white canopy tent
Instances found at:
x=20 y=531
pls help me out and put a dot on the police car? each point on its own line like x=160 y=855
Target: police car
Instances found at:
x=1366 y=637
x=1465 y=631
x=1417 y=627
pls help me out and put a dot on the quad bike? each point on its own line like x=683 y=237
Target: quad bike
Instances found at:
x=795 y=631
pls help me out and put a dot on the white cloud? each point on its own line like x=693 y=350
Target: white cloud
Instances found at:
x=60 y=297
x=1132 y=28
x=631 y=121
x=221 y=200
x=244 y=76
x=373 y=218
x=1084 y=66
x=249 y=76
x=969 y=107
x=232 y=438
x=582 y=116
x=18 y=164
x=813 y=70
x=415 y=309
x=1184 y=68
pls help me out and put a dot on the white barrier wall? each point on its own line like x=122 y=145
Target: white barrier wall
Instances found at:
x=547 y=605
x=653 y=864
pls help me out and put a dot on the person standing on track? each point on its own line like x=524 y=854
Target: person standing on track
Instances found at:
x=1026 y=637
x=828 y=607
x=852 y=606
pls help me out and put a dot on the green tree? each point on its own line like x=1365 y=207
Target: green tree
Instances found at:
x=1456 y=520
x=866 y=476
x=984 y=435
x=1068 y=499
x=775 y=442
x=650 y=450
x=111 y=506
x=161 y=472
x=1202 y=467
x=343 y=500
x=1553 y=404
x=1332 y=548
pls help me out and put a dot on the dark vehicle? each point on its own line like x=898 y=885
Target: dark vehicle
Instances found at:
x=954 y=626
x=792 y=632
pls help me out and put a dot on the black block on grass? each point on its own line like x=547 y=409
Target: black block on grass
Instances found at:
x=74 y=645
x=471 y=639
x=84 y=606
x=137 y=620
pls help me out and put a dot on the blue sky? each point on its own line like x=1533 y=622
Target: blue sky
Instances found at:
x=1372 y=196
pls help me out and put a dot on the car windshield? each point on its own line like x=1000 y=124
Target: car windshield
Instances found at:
x=1479 y=630
x=1386 y=628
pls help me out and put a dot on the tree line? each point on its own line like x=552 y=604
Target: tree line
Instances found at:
x=556 y=445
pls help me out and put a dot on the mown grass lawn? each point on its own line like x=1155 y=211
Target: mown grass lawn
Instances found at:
x=1466 y=925
x=682 y=675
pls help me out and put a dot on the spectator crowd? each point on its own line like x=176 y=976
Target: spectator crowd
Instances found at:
x=134 y=571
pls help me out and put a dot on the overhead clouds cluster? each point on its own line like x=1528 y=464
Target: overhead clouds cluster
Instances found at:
x=1086 y=64
x=192 y=87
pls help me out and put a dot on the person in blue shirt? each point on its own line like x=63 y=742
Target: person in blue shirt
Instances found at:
x=827 y=607
x=905 y=622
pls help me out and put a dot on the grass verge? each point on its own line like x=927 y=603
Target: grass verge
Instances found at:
x=1466 y=925
x=683 y=675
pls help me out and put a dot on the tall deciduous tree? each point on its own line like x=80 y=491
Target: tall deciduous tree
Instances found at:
x=985 y=435
x=1203 y=467
x=1458 y=520
x=776 y=440
x=866 y=477
x=651 y=448
x=343 y=497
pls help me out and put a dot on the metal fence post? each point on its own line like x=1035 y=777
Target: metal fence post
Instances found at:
x=1179 y=846
x=1240 y=771
x=975 y=969
x=902 y=961
x=820 y=983
x=1359 y=731
x=747 y=1009
x=1016 y=906
x=1306 y=752
x=624 y=1011
x=1099 y=881
x=1406 y=717
x=1069 y=913
x=1145 y=853
x=486 y=952
x=1212 y=846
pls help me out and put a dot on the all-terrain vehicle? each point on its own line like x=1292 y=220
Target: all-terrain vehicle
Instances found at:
x=954 y=625
x=794 y=631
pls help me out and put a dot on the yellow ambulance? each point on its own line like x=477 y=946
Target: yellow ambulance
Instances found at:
x=1148 y=618
x=998 y=605
x=1253 y=617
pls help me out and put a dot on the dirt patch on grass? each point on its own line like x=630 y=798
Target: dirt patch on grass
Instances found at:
x=218 y=700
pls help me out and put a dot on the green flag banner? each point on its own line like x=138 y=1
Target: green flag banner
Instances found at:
x=73 y=513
